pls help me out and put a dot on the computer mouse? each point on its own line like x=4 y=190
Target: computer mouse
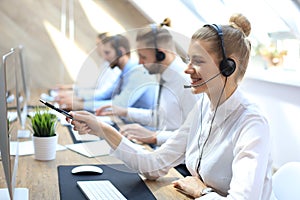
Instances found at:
x=87 y=170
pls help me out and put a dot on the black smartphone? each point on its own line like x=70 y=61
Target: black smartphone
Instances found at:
x=65 y=113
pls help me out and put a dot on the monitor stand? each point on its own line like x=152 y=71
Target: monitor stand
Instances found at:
x=23 y=133
x=19 y=194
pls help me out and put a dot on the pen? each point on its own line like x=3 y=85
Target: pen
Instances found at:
x=57 y=109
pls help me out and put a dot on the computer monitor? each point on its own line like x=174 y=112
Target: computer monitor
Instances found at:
x=9 y=163
x=21 y=91
x=24 y=72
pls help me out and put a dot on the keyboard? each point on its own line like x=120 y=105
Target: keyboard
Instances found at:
x=97 y=190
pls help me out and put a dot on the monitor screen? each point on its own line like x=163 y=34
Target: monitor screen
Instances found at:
x=21 y=89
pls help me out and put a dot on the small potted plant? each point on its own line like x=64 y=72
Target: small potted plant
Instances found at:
x=44 y=138
x=272 y=55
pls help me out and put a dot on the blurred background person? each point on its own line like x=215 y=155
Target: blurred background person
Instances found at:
x=156 y=49
x=106 y=79
x=157 y=53
x=134 y=86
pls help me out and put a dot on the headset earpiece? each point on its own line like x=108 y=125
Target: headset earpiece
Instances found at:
x=227 y=65
x=119 y=53
x=159 y=55
x=117 y=46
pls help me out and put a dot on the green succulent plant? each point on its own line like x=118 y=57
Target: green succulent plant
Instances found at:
x=43 y=123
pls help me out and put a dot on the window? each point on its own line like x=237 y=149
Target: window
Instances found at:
x=275 y=33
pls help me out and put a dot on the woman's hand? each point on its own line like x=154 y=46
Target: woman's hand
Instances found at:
x=190 y=185
x=137 y=132
x=85 y=122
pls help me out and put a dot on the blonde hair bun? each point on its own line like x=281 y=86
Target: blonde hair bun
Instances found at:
x=239 y=21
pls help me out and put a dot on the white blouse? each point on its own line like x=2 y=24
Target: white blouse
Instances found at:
x=236 y=159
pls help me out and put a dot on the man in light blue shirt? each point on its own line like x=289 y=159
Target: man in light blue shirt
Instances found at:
x=133 y=88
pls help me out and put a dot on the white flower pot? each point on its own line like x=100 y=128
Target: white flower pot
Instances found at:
x=44 y=147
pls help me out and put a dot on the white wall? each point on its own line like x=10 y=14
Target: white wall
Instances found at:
x=281 y=103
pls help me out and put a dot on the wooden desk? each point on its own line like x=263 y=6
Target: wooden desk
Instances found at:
x=41 y=177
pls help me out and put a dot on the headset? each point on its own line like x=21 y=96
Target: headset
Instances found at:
x=117 y=46
x=227 y=65
x=159 y=55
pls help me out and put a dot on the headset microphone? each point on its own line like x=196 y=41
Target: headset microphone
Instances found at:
x=198 y=85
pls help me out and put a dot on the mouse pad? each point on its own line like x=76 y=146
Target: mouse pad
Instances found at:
x=128 y=183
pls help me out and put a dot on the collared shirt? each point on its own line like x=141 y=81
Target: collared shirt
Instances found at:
x=133 y=88
x=174 y=106
x=236 y=159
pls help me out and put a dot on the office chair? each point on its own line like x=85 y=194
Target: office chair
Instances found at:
x=286 y=182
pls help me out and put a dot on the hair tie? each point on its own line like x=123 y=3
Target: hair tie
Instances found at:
x=166 y=22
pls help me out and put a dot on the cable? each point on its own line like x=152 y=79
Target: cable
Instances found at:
x=211 y=123
x=201 y=118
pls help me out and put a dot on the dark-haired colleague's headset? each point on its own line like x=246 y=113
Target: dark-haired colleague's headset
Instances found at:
x=227 y=66
x=159 y=55
x=117 y=46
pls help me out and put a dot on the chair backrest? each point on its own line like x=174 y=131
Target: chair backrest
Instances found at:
x=286 y=182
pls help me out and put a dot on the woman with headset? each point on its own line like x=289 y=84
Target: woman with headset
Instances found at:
x=225 y=140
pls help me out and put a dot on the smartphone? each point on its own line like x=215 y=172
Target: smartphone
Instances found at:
x=65 y=113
